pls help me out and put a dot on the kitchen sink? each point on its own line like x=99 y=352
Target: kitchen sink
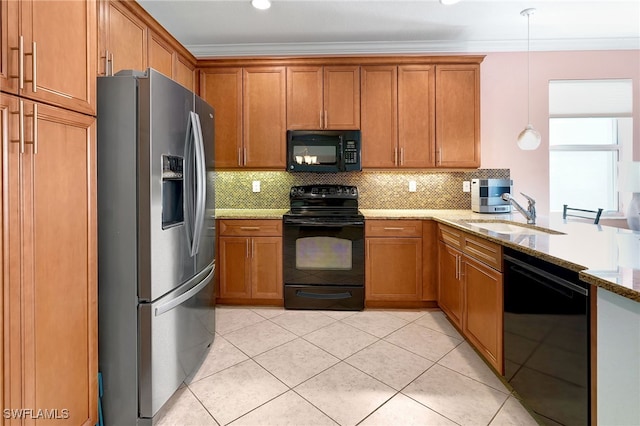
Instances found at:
x=512 y=228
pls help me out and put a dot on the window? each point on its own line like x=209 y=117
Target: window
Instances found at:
x=590 y=130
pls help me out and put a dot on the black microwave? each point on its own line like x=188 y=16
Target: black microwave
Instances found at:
x=323 y=151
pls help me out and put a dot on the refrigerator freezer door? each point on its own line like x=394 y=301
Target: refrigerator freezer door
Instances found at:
x=175 y=332
x=165 y=260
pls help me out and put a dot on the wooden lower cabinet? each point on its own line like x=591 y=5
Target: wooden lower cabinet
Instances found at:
x=482 y=323
x=393 y=260
x=49 y=269
x=471 y=292
x=251 y=265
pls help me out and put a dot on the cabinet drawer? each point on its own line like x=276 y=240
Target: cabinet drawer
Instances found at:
x=393 y=228
x=450 y=236
x=237 y=227
x=484 y=251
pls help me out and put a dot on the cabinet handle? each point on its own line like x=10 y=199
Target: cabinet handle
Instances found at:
x=244 y=156
x=252 y=248
x=440 y=156
x=402 y=156
x=457 y=267
x=246 y=249
x=321 y=115
x=390 y=228
x=20 y=75
x=368 y=249
x=20 y=114
x=112 y=66
x=461 y=267
x=34 y=135
x=395 y=156
x=250 y=228
x=106 y=63
x=33 y=55
x=326 y=118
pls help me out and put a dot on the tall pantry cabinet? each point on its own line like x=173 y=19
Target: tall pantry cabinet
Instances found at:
x=49 y=274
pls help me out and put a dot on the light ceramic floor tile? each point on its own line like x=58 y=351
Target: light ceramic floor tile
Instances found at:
x=455 y=396
x=377 y=323
x=390 y=364
x=259 y=338
x=222 y=354
x=339 y=314
x=425 y=342
x=268 y=311
x=340 y=340
x=438 y=321
x=230 y=319
x=513 y=413
x=296 y=361
x=401 y=410
x=303 y=322
x=407 y=315
x=235 y=391
x=288 y=409
x=345 y=394
x=184 y=409
x=465 y=360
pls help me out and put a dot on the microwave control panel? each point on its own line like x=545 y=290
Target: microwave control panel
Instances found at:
x=351 y=152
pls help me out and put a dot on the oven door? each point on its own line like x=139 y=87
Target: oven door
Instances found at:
x=323 y=263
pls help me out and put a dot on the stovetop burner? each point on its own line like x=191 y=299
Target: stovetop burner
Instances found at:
x=324 y=201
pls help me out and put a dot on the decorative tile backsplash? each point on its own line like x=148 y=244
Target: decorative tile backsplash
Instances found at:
x=378 y=190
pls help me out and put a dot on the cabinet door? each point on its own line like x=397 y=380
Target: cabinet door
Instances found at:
x=160 y=54
x=264 y=119
x=222 y=89
x=266 y=268
x=9 y=46
x=450 y=283
x=416 y=115
x=458 y=115
x=483 y=306
x=184 y=72
x=304 y=98
x=342 y=97
x=234 y=268
x=60 y=42
x=51 y=261
x=394 y=269
x=380 y=116
x=123 y=40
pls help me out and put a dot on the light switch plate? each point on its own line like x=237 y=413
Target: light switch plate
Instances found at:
x=466 y=186
x=412 y=186
x=256 y=186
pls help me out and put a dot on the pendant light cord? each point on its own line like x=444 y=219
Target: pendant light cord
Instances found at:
x=528 y=68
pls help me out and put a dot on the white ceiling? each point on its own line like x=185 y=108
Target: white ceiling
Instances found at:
x=211 y=28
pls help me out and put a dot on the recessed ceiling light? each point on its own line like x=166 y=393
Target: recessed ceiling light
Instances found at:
x=448 y=2
x=261 y=4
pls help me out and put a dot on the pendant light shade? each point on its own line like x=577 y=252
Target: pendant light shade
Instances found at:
x=529 y=138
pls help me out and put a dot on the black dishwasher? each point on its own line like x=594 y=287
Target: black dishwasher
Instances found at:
x=546 y=338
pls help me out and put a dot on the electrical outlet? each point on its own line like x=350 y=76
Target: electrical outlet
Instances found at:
x=412 y=186
x=466 y=186
x=256 y=186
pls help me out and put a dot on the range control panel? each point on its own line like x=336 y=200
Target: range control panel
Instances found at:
x=323 y=191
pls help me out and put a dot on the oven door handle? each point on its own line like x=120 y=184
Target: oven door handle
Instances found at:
x=340 y=224
x=332 y=296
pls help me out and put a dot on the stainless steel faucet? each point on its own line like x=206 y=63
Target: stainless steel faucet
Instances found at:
x=529 y=213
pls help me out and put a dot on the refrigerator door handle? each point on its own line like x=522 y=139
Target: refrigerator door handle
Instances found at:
x=166 y=307
x=201 y=183
x=189 y=182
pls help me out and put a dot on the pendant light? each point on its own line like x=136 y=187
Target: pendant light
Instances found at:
x=529 y=138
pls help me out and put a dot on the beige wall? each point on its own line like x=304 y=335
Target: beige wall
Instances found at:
x=504 y=107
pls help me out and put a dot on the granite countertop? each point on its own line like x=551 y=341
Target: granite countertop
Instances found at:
x=607 y=257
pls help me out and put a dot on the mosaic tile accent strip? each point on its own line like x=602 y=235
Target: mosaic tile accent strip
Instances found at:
x=378 y=190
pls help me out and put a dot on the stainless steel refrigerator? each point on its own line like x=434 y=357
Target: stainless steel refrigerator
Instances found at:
x=156 y=243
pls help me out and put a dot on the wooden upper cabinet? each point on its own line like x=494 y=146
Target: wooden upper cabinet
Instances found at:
x=458 y=115
x=416 y=115
x=379 y=116
x=123 y=39
x=398 y=116
x=184 y=72
x=8 y=46
x=160 y=54
x=57 y=41
x=222 y=89
x=323 y=97
x=264 y=117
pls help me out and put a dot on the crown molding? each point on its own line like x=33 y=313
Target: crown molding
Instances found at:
x=204 y=51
